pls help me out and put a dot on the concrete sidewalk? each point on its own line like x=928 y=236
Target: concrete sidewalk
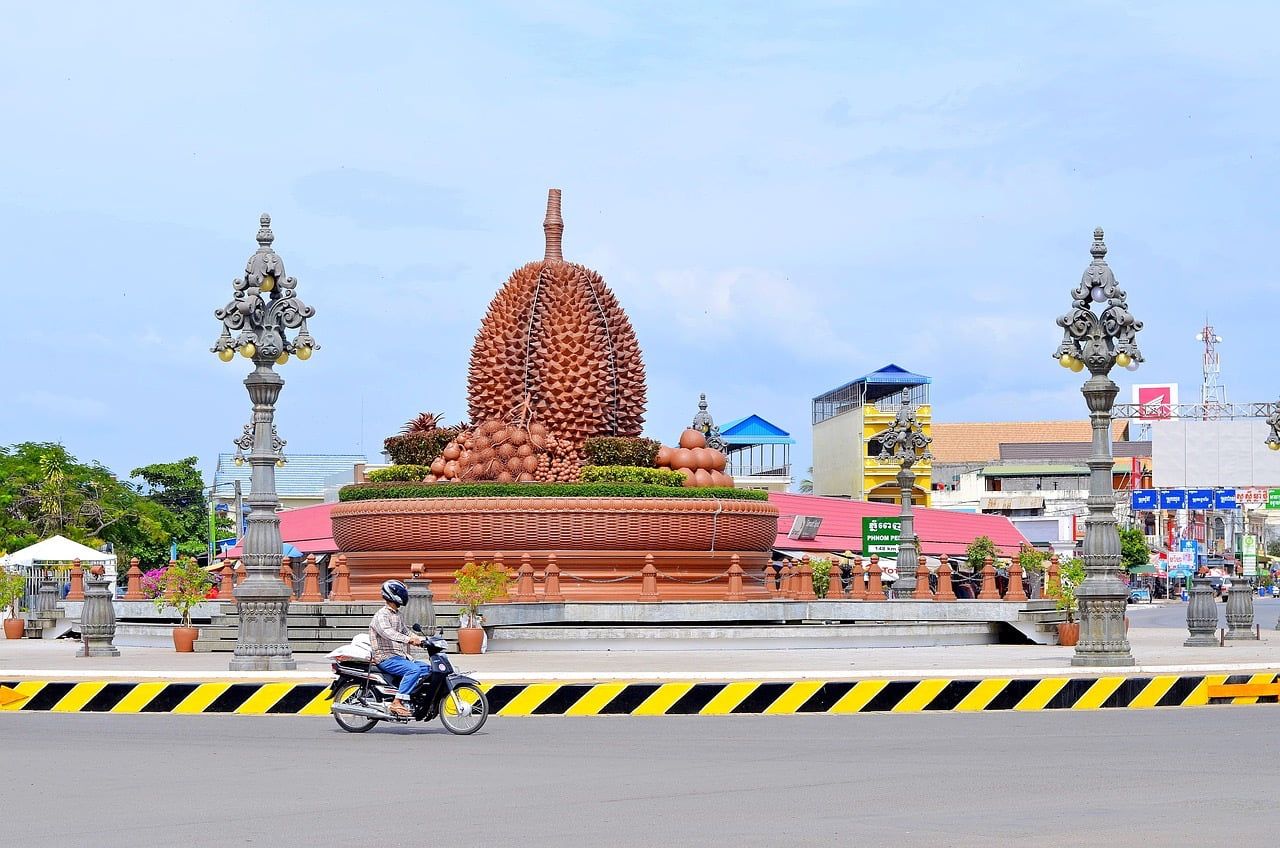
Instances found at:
x=1158 y=650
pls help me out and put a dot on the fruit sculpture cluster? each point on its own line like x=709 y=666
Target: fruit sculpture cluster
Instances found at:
x=702 y=467
x=506 y=452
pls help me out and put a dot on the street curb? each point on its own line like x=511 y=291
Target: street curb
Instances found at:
x=688 y=697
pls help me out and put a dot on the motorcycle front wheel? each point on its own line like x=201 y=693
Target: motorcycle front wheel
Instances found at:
x=464 y=710
x=350 y=694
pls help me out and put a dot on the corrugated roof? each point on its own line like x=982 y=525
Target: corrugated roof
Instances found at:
x=892 y=375
x=302 y=475
x=754 y=430
x=980 y=441
x=940 y=531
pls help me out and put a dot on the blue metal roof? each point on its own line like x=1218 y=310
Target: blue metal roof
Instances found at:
x=887 y=378
x=302 y=476
x=754 y=430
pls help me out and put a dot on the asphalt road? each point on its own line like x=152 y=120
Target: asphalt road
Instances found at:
x=1265 y=612
x=1171 y=777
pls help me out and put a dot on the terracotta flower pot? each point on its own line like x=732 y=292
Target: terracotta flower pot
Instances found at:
x=13 y=628
x=184 y=639
x=470 y=639
x=1068 y=633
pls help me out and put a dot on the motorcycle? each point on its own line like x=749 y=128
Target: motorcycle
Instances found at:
x=362 y=693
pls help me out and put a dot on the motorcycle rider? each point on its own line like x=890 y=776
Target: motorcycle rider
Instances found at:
x=391 y=640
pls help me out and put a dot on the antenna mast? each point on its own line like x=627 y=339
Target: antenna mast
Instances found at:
x=1212 y=392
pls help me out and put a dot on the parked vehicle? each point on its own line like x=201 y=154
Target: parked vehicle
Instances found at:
x=1140 y=594
x=362 y=693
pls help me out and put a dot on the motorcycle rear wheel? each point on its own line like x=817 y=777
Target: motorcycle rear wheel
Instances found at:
x=350 y=694
x=471 y=717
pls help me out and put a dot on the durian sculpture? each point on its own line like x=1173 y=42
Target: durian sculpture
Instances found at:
x=555 y=348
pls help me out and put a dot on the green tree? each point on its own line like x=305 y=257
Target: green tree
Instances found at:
x=977 y=552
x=45 y=490
x=1133 y=548
x=178 y=489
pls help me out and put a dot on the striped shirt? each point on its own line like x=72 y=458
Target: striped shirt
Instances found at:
x=388 y=635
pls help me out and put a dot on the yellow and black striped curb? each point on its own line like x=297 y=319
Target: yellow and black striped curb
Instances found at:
x=653 y=699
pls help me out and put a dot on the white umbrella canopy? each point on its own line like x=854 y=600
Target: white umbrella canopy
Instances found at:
x=57 y=550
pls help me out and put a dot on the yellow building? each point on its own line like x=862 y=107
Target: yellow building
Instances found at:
x=845 y=423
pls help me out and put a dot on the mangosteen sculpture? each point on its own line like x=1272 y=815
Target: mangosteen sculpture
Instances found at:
x=556 y=348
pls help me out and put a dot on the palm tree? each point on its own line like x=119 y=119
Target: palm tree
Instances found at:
x=806 y=485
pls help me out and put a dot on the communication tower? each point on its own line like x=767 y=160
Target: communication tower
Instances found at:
x=1212 y=392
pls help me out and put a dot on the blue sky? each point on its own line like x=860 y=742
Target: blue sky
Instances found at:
x=783 y=196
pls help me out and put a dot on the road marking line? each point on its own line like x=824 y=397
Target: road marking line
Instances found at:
x=1098 y=693
x=1152 y=693
x=199 y=700
x=919 y=697
x=662 y=700
x=792 y=699
x=728 y=698
x=528 y=700
x=984 y=693
x=858 y=697
x=80 y=694
x=139 y=696
x=264 y=699
x=1041 y=694
x=596 y=699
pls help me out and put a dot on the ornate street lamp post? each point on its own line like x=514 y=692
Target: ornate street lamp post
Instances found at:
x=261 y=313
x=904 y=442
x=1098 y=341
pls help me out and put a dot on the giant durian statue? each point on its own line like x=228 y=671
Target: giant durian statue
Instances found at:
x=555 y=362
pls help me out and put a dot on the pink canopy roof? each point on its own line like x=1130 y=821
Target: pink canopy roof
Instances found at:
x=940 y=531
x=306 y=528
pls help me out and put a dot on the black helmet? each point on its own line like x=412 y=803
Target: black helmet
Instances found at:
x=393 y=591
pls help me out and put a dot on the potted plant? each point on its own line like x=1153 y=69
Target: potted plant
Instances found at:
x=12 y=588
x=476 y=584
x=183 y=585
x=1072 y=576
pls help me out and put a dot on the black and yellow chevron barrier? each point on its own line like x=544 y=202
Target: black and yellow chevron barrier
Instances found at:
x=683 y=698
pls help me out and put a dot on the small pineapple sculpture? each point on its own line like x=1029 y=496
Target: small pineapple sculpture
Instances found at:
x=556 y=348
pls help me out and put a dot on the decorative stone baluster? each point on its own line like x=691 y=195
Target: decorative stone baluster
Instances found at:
x=286 y=574
x=1015 y=592
x=857 y=581
x=922 y=592
x=341 y=581
x=97 y=618
x=421 y=608
x=226 y=582
x=1202 y=615
x=168 y=590
x=649 y=580
x=311 y=582
x=75 y=592
x=835 y=582
x=804 y=585
x=945 y=591
x=875 y=589
x=1053 y=582
x=134 y=590
x=735 y=592
x=525 y=593
x=551 y=582
x=989 y=591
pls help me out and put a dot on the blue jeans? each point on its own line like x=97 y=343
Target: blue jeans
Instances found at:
x=409 y=671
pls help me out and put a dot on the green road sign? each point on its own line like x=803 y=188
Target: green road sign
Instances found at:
x=880 y=536
x=1273 y=499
